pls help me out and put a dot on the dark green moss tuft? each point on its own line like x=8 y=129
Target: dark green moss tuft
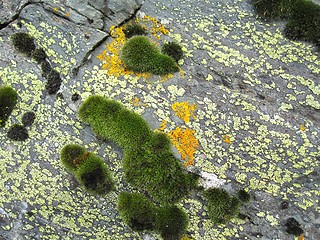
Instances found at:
x=53 y=82
x=305 y=22
x=139 y=54
x=45 y=68
x=23 y=42
x=160 y=142
x=172 y=222
x=243 y=196
x=133 y=30
x=93 y=174
x=75 y=97
x=38 y=55
x=173 y=50
x=137 y=211
x=293 y=227
x=221 y=206
x=8 y=100
x=18 y=133
x=69 y=154
x=28 y=118
x=274 y=9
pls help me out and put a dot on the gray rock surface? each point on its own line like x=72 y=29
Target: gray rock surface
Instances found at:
x=247 y=80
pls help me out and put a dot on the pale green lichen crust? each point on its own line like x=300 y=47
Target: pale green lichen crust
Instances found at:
x=271 y=148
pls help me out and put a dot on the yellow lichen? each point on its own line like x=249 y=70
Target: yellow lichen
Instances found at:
x=163 y=125
x=184 y=110
x=185 y=142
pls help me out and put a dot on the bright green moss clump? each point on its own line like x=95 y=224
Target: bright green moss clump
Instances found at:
x=137 y=211
x=133 y=30
x=89 y=170
x=172 y=222
x=8 y=100
x=141 y=214
x=139 y=54
x=23 y=42
x=149 y=163
x=221 y=206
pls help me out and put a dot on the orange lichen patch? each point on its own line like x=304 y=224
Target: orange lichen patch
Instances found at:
x=185 y=142
x=110 y=57
x=302 y=127
x=227 y=139
x=136 y=102
x=157 y=28
x=184 y=110
x=301 y=237
x=81 y=158
x=67 y=14
x=163 y=125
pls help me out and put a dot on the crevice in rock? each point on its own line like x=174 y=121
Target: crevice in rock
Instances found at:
x=14 y=17
x=98 y=44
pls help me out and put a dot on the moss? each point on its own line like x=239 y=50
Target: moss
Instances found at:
x=173 y=50
x=148 y=163
x=221 y=206
x=172 y=222
x=38 y=55
x=23 y=42
x=293 y=227
x=28 y=118
x=112 y=121
x=45 y=68
x=304 y=23
x=140 y=55
x=274 y=9
x=243 y=196
x=93 y=174
x=53 y=82
x=8 y=100
x=133 y=30
x=69 y=153
x=137 y=211
x=75 y=97
x=18 y=133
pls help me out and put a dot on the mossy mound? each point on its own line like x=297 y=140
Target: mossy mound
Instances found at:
x=38 y=55
x=18 y=133
x=172 y=222
x=139 y=54
x=134 y=30
x=23 y=42
x=90 y=170
x=149 y=163
x=173 y=50
x=28 y=118
x=8 y=100
x=221 y=206
x=137 y=211
x=274 y=9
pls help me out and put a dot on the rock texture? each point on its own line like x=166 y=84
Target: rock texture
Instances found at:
x=257 y=119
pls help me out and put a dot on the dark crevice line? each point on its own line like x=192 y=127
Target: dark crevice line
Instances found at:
x=14 y=17
x=98 y=44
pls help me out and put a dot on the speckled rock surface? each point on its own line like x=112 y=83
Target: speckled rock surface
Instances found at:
x=257 y=117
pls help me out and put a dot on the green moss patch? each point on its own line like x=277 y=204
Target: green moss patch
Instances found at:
x=8 y=100
x=141 y=214
x=173 y=50
x=221 y=206
x=139 y=54
x=274 y=9
x=137 y=211
x=38 y=55
x=90 y=170
x=18 y=133
x=172 y=222
x=23 y=42
x=133 y=30
x=149 y=163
